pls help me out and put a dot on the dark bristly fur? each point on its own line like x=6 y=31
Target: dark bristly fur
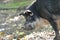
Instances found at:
x=45 y=9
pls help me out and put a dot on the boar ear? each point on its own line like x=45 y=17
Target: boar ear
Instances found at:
x=28 y=12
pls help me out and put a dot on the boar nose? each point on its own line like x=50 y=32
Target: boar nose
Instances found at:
x=28 y=27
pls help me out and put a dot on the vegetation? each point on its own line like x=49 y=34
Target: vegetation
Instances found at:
x=15 y=4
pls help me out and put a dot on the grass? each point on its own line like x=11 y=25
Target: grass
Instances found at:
x=16 y=4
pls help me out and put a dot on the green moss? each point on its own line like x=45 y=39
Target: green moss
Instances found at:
x=15 y=4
